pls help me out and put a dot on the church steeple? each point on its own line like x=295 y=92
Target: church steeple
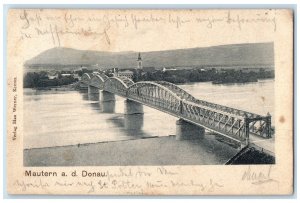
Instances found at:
x=139 y=62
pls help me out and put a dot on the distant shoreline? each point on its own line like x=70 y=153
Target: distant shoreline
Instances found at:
x=72 y=87
x=58 y=88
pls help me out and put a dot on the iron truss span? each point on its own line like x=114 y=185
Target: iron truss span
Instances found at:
x=168 y=97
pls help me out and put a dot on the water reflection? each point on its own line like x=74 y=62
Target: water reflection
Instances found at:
x=96 y=106
x=93 y=97
x=82 y=90
x=99 y=105
x=107 y=106
x=131 y=125
x=85 y=96
x=133 y=121
x=33 y=95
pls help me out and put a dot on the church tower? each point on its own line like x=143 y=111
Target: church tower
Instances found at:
x=139 y=62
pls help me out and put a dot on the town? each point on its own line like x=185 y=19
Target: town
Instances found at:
x=216 y=74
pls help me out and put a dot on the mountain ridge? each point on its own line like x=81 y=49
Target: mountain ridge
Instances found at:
x=234 y=54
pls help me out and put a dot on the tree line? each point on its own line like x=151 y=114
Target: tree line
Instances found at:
x=41 y=79
x=198 y=75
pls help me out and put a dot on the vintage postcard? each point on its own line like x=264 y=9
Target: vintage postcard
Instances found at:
x=150 y=102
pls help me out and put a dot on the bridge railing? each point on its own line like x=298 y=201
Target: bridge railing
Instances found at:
x=116 y=86
x=86 y=77
x=187 y=96
x=155 y=95
x=97 y=81
x=221 y=122
x=258 y=125
x=224 y=108
x=105 y=77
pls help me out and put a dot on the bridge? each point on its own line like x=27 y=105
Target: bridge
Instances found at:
x=194 y=115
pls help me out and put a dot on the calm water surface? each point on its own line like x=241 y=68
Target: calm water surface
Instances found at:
x=59 y=118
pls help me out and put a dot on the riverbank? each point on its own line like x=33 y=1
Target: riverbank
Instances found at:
x=69 y=87
x=251 y=155
x=148 y=151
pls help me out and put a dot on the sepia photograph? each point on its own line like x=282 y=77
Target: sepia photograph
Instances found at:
x=211 y=105
x=150 y=101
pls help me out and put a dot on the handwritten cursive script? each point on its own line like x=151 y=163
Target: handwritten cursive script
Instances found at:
x=36 y=24
x=258 y=177
x=31 y=184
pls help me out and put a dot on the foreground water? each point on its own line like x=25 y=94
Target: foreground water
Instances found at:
x=60 y=118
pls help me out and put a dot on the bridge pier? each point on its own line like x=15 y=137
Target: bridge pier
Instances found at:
x=108 y=106
x=93 y=97
x=107 y=96
x=132 y=107
x=93 y=90
x=83 y=86
x=188 y=131
x=107 y=102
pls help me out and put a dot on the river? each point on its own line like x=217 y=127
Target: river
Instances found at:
x=60 y=118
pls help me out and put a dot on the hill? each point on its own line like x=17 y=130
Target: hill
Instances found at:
x=227 y=55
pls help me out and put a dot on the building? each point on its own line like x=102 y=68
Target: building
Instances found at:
x=76 y=76
x=139 y=62
x=114 y=72
x=53 y=75
x=126 y=73
x=66 y=75
x=122 y=73
x=168 y=69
